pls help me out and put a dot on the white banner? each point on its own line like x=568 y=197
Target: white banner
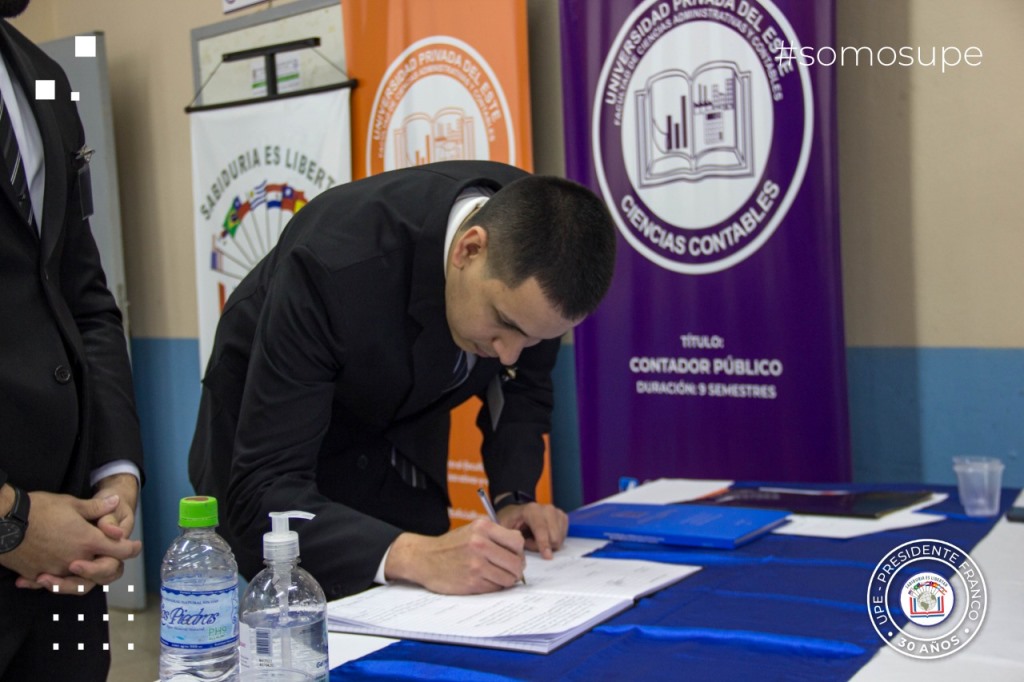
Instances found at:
x=253 y=167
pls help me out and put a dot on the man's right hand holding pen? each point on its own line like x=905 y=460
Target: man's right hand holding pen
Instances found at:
x=483 y=556
x=493 y=516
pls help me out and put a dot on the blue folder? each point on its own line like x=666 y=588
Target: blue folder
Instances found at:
x=690 y=525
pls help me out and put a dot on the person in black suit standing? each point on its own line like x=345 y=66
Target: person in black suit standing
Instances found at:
x=70 y=450
x=386 y=303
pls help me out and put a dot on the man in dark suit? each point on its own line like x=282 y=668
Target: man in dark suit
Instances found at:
x=70 y=452
x=387 y=302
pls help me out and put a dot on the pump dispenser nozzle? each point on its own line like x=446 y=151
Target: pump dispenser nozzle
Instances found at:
x=282 y=543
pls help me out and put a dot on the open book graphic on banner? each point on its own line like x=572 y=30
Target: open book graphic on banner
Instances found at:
x=445 y=136
x=694 y=126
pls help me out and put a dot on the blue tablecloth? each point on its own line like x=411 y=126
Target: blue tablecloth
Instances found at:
x=780 y=608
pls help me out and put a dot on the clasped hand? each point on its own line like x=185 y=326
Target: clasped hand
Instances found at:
x=75 y=544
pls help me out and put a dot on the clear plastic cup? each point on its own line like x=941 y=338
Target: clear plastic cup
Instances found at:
x=979 y=480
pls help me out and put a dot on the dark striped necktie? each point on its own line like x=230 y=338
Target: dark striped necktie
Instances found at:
x=460 y=372
x=14 y=169
x=407 y=471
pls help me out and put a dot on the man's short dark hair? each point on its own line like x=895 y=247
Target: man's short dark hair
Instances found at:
x=557 y=231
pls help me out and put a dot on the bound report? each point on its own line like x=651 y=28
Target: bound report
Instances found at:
x=563 y=598
x=674 y=524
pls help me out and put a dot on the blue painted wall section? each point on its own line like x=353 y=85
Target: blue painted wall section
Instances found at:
x=885 y=413
x=166 y=373
x=913 y=409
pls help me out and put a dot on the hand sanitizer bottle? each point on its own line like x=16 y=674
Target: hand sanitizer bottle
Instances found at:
x=283 y=623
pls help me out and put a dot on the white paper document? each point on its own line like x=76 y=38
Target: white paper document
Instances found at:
x=564 y=597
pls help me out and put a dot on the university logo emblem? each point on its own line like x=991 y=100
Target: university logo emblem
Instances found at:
x=927 y=598
x=701 y=138
x=438 y=101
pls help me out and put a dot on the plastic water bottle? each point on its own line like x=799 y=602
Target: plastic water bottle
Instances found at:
x=284 y=612
x=198 y=600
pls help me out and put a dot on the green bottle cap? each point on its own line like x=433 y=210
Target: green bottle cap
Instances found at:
x=197 y=512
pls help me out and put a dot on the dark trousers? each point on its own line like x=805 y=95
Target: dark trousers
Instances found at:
x=33 y=621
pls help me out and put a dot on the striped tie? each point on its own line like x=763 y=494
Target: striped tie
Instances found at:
x=407 y=471
x=460 y=372
x=15 y=169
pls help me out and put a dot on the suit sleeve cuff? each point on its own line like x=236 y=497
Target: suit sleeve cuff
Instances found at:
x=515 y=497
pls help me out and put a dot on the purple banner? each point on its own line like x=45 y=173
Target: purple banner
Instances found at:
x=719 y=350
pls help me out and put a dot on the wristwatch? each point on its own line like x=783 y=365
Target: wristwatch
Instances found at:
x=514 y=497
x=13 y=526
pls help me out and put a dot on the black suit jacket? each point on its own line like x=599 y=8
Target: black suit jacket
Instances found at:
x=66 y=399
x=333 y=352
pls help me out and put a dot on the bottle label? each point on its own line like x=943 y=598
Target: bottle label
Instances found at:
x=198 y=619
x=261 y=648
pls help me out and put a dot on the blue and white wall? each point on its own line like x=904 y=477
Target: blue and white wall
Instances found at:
x=933 y=242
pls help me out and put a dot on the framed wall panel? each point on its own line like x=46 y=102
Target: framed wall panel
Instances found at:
x=234 y=81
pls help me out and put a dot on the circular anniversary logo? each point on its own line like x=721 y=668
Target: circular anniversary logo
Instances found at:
x=439 y=100
x=701 y=136
x=927 y=599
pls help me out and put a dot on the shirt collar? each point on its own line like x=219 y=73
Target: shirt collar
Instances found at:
x=468 y=201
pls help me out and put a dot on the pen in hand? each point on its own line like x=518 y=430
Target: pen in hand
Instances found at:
x=489 y=508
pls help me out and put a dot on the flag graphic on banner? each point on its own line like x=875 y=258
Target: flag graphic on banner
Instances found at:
x=292 y=199
x=251 y=175
x=231 y=220
x=243 y=243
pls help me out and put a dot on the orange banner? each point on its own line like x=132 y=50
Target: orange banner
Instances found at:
x=437 y=80
x=466 y=470
x=442 y=80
